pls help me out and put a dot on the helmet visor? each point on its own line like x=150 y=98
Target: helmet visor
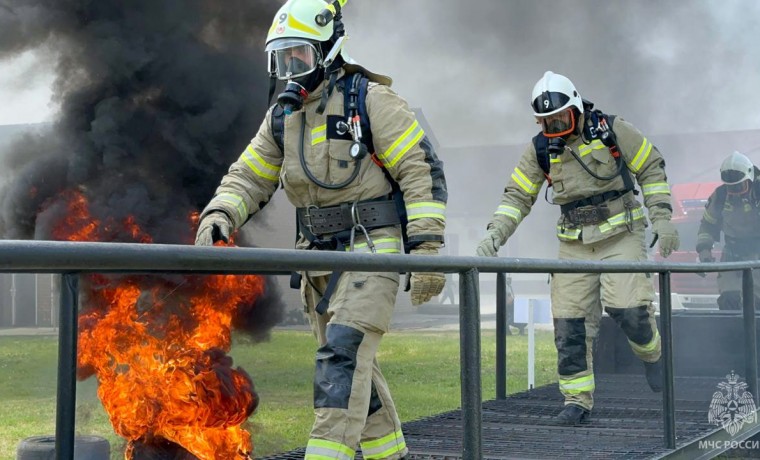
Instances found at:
x=732 y=176
x=292 y=58
x=550 y=101
x=558 y=124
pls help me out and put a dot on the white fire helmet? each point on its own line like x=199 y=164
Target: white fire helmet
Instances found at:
x=293 y=42
x=553 y=100
x=736 y=169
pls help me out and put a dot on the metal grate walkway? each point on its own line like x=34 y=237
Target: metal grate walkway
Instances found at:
x=626 y=423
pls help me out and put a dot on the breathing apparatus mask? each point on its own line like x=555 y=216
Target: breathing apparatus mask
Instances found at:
x=296 y=61
x=557 y=128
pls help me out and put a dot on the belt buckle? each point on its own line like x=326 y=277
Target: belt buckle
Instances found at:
x=307 y=217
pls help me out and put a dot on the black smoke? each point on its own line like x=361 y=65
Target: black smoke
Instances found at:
x=156 y=99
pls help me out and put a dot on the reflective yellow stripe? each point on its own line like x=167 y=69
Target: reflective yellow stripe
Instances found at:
x=555 y=160
x=596 y=144
x=426 y=209
x=324 y=449
x=568 y=234
x=579 y=385
x=318 y=134
x=235 y=200
x=620 y=219
x=709 y=218
x=655 y=188
x=704 y=238
x=510 y=211
x=298 y=25
x=406 y=141
x=382 y=246
x=259 y=166
x=641 y=156
x=648 y=348
x=384 y=447
x=524 y=183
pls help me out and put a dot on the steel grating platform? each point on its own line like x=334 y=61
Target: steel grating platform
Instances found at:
x=626 y=423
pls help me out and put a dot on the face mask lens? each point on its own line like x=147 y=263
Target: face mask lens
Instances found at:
x=296 y=61
x=738 y=189
x=558 y=124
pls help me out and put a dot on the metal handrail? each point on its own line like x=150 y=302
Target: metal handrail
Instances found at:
x=71 y=259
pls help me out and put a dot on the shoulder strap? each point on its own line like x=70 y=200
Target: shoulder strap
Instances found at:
x=541 y=146
x=355 y=98
x=278 y=126
x=720 y=198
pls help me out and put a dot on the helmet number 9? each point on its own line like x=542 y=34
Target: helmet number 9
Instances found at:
x=283 y=17
x=546 y=103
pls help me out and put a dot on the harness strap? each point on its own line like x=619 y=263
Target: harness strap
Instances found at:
x=324 y=302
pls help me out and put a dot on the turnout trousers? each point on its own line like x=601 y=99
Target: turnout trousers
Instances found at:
x=352 y=403
x=577 y=301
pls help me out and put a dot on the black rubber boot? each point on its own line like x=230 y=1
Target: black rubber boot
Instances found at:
x=654 y=375
x=573 y=414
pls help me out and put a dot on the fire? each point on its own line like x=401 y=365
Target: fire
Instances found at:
x=158 y=344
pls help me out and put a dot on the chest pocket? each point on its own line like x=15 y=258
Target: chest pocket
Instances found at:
x=602 y=161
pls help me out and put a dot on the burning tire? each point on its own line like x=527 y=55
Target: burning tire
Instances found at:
x=43 y=448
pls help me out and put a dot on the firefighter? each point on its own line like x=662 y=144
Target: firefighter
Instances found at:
x=316 y=143
x=734 y=209
x=590 y=161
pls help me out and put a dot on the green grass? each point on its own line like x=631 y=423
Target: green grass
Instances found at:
x=422 y=369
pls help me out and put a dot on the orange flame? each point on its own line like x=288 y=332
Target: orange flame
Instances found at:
x=158 y=348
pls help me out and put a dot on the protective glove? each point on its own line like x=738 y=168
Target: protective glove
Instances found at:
x=666 y=233
x=705 y=255
x=425 y=286
x=213 y=227
x=490 y=245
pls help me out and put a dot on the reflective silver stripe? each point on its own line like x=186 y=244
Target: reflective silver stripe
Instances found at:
x=649 y=347
x=406 y=141
x=655 y=188
x=382 y=246
x=579 y=385
x=318 y=134
x=709 y=218
x=510 y=211
x=423 y=209
x=259 y=166
x=596 y=144
x=641 y=156
x=568 y=233
x=236 y=201
x=384 y=447
x=620 y=219
x=522 y=180
x=322 y=449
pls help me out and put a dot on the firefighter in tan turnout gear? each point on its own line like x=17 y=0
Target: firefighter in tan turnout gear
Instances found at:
x=733 y=209
x=347 y=150
x=590 y=161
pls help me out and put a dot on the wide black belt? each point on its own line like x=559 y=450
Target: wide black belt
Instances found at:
x=334 y=219
x=592 y=200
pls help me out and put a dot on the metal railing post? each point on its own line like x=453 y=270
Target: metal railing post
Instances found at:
x=666 y=334
x=501 y=336
x=66 y=397
x=469 y=356
x=750 y=332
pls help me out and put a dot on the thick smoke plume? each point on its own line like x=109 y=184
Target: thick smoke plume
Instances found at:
x=156 y=99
